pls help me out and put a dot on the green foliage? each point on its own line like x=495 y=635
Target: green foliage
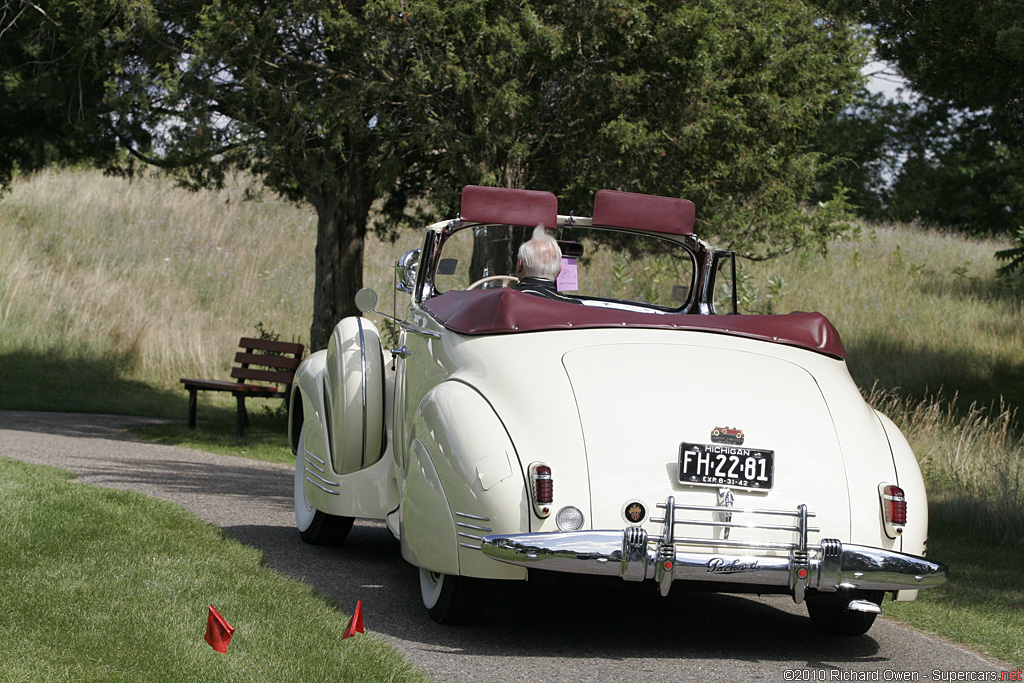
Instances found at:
x=862 y=149
x=715 y=102
x=967 y=52
x=925 y=161
x=341 y=104
x=1014 y=255
x=53 y=71
x=958 y=174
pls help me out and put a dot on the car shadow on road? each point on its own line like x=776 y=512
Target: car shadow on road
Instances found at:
x=557 y=616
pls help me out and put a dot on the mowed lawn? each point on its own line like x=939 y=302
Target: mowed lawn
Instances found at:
x=105 y=585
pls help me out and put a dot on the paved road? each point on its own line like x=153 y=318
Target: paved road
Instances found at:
x=534 y=632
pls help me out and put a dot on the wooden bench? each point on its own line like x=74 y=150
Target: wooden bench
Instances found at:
x=269 y=363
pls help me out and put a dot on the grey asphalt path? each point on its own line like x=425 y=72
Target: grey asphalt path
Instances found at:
x=542 y=631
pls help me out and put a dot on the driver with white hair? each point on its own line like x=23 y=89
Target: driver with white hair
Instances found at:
x=540 y=261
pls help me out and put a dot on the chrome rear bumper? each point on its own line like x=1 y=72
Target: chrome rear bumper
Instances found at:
x=634 y=556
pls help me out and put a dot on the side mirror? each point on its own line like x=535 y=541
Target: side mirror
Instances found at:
x=366 y=300
x=408 y=267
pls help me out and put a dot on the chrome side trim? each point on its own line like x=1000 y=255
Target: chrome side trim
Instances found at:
x=362 y=387
x=469 y=516
x=314 y=465
x=333 y=493
x=477 y=537
x=326 y=481
x=322 y=463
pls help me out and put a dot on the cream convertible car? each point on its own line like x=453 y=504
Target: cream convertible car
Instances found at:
x=643 y=431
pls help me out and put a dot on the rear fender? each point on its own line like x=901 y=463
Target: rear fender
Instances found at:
x=463 y=481
x=908 y=477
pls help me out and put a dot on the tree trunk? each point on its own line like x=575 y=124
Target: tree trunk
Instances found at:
x=342 y=210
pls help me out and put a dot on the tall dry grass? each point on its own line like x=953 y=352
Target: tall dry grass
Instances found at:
x=972 y=458
x=158 y=279
x=917 y=310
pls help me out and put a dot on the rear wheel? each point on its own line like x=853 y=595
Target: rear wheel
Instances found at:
x=451 y=599
x=315 y=526
x=830 y=615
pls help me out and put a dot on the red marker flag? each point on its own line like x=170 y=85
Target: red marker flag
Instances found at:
x=355 y=624
x=218 y=631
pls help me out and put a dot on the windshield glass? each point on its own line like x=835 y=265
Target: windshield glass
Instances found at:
x=599 y=266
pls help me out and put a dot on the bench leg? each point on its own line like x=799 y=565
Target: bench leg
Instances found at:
x=241 y=418
x=192 y=408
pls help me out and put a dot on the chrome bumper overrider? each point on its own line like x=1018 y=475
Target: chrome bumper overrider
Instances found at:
x=634 y=556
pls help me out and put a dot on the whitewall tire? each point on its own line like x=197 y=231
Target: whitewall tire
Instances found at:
x=315 y=526
x=451 y=599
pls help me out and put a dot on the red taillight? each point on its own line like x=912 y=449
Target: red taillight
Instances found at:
x=543 y=489
x=894 y=509
x=899 y=512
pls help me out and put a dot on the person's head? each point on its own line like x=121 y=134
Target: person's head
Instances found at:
x=540 y=256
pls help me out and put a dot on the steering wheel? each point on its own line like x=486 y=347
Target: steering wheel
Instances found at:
x=507 y=279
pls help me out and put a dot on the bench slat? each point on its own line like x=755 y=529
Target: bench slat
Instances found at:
x=270 y=345
x=278 y=376
x=285 y=362
x=223 y=385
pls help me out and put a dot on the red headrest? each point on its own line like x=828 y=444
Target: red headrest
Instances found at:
x=514 y=207
x=644 y=212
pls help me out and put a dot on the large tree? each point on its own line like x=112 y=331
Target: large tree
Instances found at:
x=346 y=103
x=714 y=101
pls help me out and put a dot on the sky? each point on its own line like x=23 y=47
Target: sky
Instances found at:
x=884 y=78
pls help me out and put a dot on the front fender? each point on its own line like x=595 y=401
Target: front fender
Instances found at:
x=463 y=481
x=369 y=493
x=307 y=405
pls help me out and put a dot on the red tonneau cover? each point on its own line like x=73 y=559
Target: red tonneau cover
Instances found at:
x=504 y=311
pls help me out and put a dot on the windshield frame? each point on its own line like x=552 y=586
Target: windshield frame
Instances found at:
x=688 y=245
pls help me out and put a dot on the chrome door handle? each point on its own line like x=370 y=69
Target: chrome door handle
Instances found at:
x=402 y=351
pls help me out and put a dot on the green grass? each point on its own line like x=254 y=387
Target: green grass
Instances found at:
x=110 y=292
x=918 y=311
x=105 y=585
x=982 y=606
x=266 y=437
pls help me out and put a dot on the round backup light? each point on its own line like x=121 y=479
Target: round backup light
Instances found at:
x=569 y=518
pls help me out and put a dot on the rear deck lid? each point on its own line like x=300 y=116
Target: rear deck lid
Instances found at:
x=751 y=422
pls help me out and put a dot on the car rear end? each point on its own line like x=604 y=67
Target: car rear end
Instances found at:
x=735 y=464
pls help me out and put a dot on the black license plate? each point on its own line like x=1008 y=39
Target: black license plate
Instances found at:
x=724 y=465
